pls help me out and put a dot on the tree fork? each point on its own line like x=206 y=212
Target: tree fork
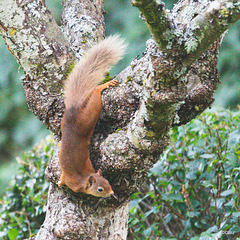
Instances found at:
x=162 y=87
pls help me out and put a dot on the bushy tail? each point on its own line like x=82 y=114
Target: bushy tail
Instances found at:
x=90 y=70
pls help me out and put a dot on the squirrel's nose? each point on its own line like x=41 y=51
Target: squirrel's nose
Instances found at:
x=111 y=193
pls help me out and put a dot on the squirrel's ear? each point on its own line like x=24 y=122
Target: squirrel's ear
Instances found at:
x=99 y=172
x=90 y=181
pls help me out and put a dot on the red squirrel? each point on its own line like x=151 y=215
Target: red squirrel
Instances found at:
x=83 y=106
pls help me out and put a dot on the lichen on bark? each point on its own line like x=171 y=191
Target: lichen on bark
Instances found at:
x=169 y=85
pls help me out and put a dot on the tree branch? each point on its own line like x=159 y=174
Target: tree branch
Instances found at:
x=195 y=26
x=157 y=19
x=191 y=27
x=137 y=130
x=208 y=26
x=39 y=46
x=202 y=81
x=82 y=26
x=68 y=217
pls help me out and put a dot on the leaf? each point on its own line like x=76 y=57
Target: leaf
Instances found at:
x=222 y=224
x=207 y=156
x=226 y=193
x=193 y=214
x=230 y=203
x=232 y=160
x=235 y=229
x=237 y=152
x=236 y=214
x=133 y=205
x=148 y=231
x=212 y=229
x=198 y=225
x=191 y=175
x=173 y=196
x=207 y=184
x=167 y=218
x=234 y=137
x=206 y=236
x=157 y=168
x=134 y=222
x=153 y=210
x=219 y=202
x=217 y=235
x=236 y=169
x=12 y=234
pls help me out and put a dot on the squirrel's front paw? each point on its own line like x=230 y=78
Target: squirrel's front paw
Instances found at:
x=112 y=83
x=106 y=85
x=60 y=184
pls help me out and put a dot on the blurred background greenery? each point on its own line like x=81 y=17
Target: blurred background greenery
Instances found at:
x=20 y=129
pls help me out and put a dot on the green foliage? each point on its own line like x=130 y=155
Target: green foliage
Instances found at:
x=55 y=7
x=21 y=129
x=107 y=78
x=193 y=191
x=24 y=204
x=121 y=18
x=228 y=94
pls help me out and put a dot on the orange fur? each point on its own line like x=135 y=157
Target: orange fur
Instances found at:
x=90 y=70
x=83 y=107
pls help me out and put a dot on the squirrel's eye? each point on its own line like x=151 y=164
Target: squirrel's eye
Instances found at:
x=100 y=189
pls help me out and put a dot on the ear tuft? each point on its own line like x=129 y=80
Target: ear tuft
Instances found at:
x=99 y=172
x=91 y=180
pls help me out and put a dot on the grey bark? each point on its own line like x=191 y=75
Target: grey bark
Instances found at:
x=169 y=85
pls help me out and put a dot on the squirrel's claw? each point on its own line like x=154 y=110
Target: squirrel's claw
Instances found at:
x=115 y=196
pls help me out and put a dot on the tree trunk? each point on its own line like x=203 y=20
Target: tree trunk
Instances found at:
x=169 y=85
x=77 y=219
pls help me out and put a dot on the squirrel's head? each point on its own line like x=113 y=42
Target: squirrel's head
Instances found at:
x=98 y=186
